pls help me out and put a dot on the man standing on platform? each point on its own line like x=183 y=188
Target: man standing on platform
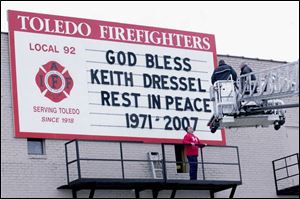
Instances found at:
x=192 y=144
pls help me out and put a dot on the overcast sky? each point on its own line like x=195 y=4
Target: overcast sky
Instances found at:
x=265 y=30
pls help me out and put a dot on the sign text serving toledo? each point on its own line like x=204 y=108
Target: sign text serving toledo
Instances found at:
x=81 y=78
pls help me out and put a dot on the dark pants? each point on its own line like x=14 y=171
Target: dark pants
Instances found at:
x=193 y=166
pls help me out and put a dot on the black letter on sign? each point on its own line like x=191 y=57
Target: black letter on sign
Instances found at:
x=94 y=76
x=110 y=60
x=206 y=105
x=147 y=84
x=186 y=62
x=121 y=58
x=131 y=59
x=149 y=60
x=105 y=98
x=169 y=101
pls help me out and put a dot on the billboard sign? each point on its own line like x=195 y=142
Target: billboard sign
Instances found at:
x=99 y=80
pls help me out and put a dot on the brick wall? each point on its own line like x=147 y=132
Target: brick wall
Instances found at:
x=24 y=175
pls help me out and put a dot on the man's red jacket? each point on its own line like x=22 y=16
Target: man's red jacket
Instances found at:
x=190 y=150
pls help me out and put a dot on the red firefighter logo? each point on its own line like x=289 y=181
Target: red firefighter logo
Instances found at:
x=54 y=81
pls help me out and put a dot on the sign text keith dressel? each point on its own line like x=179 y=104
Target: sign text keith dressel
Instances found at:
x=80 y=78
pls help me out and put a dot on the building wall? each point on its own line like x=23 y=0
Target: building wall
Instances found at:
x=24 y=175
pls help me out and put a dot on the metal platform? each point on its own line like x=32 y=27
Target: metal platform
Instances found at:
x=155 y=185
x=248 y=121
x=141 y=184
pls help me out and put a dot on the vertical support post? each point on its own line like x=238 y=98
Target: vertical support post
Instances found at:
x=239 y=163
x=92 y=193
x=298 y=161
x=67 y=163
x=212 y=193
x=232 y=191
x=155 y=193
x=74 y=193
x=137 y=193
x=297 y=75
x=173 y=194
x=275 y=178
x=219 y=108
x=202 y=163
x=164 y=162
x=78 y=159
x=122 y=161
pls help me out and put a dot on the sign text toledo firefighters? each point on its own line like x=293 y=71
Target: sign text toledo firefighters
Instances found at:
x=80 y=78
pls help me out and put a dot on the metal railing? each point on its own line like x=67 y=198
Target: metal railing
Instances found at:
x=285 y=168
x=276 y=83
x=224 y=96
x=78 y=159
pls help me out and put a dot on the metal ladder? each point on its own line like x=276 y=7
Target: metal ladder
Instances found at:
x=275 y=83
x=155 y=163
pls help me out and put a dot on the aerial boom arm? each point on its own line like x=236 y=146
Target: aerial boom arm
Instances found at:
x=255 y=98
